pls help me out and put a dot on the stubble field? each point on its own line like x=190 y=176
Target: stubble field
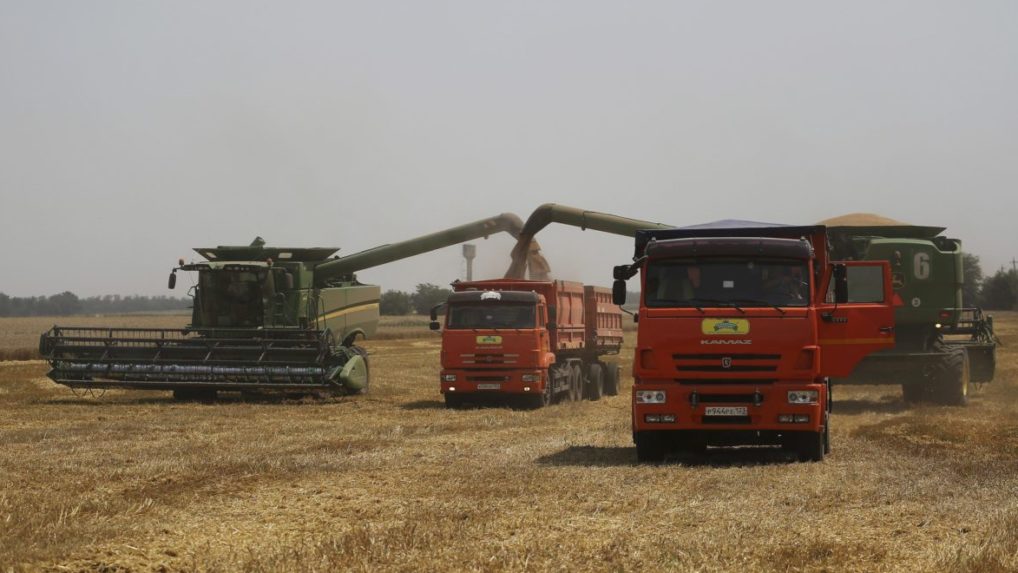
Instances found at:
x=393 y=481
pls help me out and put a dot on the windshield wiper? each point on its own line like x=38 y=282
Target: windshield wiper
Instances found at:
x=762 y=302
x=721 y=303
x=673 y=302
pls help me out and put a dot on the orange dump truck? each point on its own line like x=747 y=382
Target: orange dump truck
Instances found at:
x=529 y=341
x=740 y=329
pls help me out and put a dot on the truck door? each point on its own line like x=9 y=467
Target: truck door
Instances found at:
x=865 y=324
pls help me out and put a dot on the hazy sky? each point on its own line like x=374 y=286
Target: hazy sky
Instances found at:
x=132 y=131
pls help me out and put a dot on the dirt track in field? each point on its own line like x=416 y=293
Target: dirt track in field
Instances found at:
x=393 y=481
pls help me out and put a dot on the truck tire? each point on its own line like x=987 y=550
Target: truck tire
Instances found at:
x=809 y=446
x=650 y=447
x=611 y=379
x=367 y=367
x=827 y=433
x=575 y=383
x=951 y=377
x=595 y=382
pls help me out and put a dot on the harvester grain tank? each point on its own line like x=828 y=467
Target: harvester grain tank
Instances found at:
x=263 y=319
x=941 y=344
x=528 y=340
x=740 y=329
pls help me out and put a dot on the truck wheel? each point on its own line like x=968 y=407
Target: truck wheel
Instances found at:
x=650 y=448
x=951 y=377
x=611 y=379
x=595 y=382
x=454 y=401
x=810 y=446
x=827 y=433
x=575 y=383
x=367 y=368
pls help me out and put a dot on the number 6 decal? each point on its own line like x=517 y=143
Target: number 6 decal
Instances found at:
x=921 y=266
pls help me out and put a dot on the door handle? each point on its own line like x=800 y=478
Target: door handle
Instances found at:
x=887 y=329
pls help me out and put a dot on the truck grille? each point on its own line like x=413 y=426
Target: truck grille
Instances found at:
x=490 y=358
x=727 y=398
x=736 y=362
x=487 y=378
x=726 y=420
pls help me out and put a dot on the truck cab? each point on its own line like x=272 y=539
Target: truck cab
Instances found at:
x=495 y=342
x=739 y=332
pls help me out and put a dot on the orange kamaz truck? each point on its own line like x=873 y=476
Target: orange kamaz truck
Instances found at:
x=534 y=342
x=739 y=330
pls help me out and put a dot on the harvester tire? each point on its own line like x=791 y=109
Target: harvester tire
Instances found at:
x=650 y=447
x=367 y=368
x=194 y=395
x=951 y=377
x=914 y=391
x=611 y=379
x=595 y=382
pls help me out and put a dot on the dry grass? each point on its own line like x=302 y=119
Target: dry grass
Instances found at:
x=392 y=481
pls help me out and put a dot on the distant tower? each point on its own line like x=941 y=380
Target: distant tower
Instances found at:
x=469 y=252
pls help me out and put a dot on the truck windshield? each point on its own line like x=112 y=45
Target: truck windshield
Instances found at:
x=726 y=282
x=469 y=316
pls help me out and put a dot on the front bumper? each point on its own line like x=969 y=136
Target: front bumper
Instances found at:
x=493 y=381
x=686 y=407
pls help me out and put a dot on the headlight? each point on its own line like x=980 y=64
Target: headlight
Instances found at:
x=803 y=396
x=448 y=377
x=531 y=377
x=650 y=397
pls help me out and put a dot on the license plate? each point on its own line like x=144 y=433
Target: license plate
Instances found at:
x=496 y=387
x=726 y=411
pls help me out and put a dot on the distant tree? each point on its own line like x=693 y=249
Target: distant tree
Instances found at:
x=1000 y=291
x=973 y=274
x=395 y=303
x=428 y=295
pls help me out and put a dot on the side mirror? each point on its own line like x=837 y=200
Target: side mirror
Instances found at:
x=434 y=325
x=620 y=272
x=619 y=291
x=173 y=280
x=840 y=278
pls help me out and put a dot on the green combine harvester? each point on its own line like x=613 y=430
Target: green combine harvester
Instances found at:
x=264 y=319
x=941 y=346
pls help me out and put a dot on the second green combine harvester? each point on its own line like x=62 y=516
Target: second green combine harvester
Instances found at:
x=264 y=319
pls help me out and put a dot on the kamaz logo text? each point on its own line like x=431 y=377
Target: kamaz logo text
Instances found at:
x=725 y=341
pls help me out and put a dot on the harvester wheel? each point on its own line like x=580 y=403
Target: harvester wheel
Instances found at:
x=914 y=390
x=611 y=379
x=951 y=377
x=595 y=384
x=193 y=395
x=650 y=448
x=367 y=368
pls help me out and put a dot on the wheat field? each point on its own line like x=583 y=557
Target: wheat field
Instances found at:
x=391 y=481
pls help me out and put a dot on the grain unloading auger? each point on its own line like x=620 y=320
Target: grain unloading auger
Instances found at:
x=263 y=319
